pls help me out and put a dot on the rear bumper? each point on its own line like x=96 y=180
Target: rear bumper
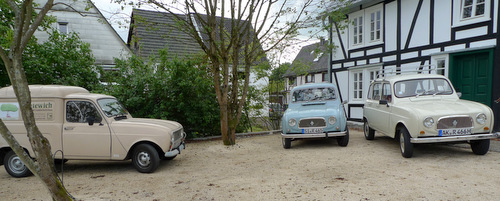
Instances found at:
x=455 y=138
x=315 y=135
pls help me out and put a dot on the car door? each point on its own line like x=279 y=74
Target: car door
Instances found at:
x=371 y=109
x=81 y=139
x=385 y=109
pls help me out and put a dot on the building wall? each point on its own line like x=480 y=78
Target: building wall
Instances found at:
x=92 y=28
x=416 y=34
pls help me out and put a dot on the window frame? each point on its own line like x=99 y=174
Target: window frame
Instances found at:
x=63 y=27
x=458 y=9
x=366 y=27
x=369 y=75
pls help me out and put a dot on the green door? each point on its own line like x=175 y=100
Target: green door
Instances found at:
x=471 y=74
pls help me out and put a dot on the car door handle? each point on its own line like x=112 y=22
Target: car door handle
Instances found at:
x=68 y=128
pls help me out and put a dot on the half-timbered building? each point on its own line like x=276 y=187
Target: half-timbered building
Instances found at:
x=456 y=38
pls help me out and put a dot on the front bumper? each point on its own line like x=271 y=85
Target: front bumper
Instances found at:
x=177 y=150
x=315 y=135
x=455 y=138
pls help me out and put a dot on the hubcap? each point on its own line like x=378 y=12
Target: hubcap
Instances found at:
x=143 y=159
x=366 y=129
x=402 y=141
x=16 y=165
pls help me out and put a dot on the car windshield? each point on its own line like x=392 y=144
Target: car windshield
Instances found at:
x=314 y=94
x=111 y=107
x=420 y=87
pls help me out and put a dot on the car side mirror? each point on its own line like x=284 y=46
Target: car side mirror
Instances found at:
x=344 y=102
x=459 y=94
x=382 y=102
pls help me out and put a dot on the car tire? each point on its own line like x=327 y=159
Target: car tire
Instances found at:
x=14 y=166
x=287 y=142
x=404 y=143
x=369 y=132
x=480 y=147
x=145 y=158
x=344 y=140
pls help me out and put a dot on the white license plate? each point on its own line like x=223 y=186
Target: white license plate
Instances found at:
x=456 y=131
x=312 y=130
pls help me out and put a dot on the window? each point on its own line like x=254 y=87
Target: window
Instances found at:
x=366 y=26
x=81 y=112
x=358 y=30
x=472 y=8
x=358 y=85
x=467 y=12
x=360 y=80
x=386 y=92
x=63 y=27
x=375 y=25
x=309 y=78
x=440 y=63
x=324 y=77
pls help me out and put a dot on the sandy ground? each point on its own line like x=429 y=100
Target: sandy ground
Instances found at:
x=258 y=168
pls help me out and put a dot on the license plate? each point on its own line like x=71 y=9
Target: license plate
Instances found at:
x=312 y=130
x=450 y=132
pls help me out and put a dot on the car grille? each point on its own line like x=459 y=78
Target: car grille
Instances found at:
x=313 y=122
x=454 y=122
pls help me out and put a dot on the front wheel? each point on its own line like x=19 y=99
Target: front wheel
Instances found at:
x=480 y=147
x=14 y=166
x=404 y=143
x=145 y=158
x=369 y=132
x=344 y=140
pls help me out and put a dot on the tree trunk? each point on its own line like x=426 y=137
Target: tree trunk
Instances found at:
x=43 y=168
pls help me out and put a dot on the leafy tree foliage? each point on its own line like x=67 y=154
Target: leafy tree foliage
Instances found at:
x=63 y=59
x=179 y=90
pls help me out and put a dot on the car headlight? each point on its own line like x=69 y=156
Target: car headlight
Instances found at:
x=428 y=122
x=292 y=122
x=332 y=120
x=481 y=118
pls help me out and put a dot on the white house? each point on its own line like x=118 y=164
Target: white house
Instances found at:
x=92 y=27
x=460 y=36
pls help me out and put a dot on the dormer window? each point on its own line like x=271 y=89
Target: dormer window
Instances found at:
x=318 y=57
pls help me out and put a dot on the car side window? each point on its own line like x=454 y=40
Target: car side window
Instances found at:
x=81 y=112
x=377 y=91
x=386 y=92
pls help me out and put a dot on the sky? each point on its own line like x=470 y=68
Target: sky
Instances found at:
x=119 y=18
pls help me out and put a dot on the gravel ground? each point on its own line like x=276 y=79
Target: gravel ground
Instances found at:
x=258 y=168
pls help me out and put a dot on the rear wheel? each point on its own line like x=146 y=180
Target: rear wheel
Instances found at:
x=14 y=166
x=404 y=143
x=369 y=132
x=480 y=147
x=287 y=142
x=344 y=140
x=145 y=158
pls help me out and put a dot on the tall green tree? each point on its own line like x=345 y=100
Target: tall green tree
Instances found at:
x=21 y=21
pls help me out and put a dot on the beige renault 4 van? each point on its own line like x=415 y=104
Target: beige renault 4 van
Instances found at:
x=83 y=125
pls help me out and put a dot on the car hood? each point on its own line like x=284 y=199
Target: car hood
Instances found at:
x=312 y=110
x=147 y=123
x=444 y=107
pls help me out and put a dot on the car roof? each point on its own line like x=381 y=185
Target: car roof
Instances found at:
x=396 y=78
x=315 y=85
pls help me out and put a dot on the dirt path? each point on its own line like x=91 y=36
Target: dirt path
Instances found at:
x=258 y=168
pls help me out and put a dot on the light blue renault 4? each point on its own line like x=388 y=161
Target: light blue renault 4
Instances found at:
x=314 y=111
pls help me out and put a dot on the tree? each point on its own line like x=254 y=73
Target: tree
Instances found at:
x=20 y=23
x=178 y=89
x=63 y=59
x=235 y=35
